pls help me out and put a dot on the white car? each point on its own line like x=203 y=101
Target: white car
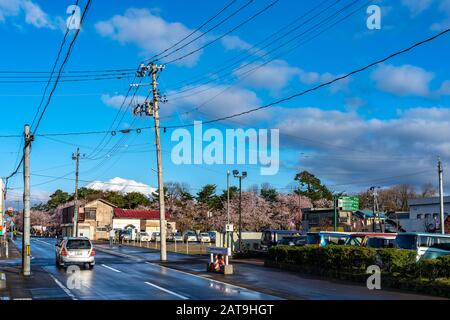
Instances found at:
x=144 y=236
x=204 y=237
x=190 y=236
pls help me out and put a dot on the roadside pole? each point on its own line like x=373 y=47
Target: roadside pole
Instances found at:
x=152 y=109
x=227 y=233
x=2 y=209
x=441 y=196
x=335 y=199
x=76 y=157
x=162 y=214
x=26 y=203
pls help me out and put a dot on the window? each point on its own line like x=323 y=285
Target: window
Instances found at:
x=90 y=213
x=420 y=216
x=100 y=229
x=427 y=216
x=442 y=243
x=435 y=215
x=406 y=241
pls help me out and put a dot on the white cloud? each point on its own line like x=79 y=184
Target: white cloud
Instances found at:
x=214 y=101
x=354 y=103
x=117 y=100
x=235 y=43
x=315 y=78
x=445 y=88
x=122 y=185
x=403 y=80
x=444 y=7
x=277 y=75
x=34 y=15
x=272 y=76
x=417 y=6
x=149 y=32
x=343 y=147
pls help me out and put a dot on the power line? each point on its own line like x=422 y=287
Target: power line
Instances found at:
x=225 y=34
x=195 y=31
x=252 y=51
x=72 y=43
x=318 y=86
x=54 y=86
x=247 y=73
x=58 y=55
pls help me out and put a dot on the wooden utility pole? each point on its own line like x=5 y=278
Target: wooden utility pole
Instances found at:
x=152 y=109
x=26 y=203
x=441 y=196
x=76 y=157
x=162 y=214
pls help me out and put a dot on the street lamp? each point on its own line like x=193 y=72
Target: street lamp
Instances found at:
x=375 y=215
x=240 y=177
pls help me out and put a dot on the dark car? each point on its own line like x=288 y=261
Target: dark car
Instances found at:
x=293 y=241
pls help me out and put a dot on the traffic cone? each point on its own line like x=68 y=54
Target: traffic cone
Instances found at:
x=216 y=263
x=222 y=261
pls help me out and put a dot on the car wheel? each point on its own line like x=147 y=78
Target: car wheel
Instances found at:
x=91 y=266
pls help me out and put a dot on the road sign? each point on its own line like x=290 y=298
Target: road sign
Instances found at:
x=229 y=228
x=348 y=203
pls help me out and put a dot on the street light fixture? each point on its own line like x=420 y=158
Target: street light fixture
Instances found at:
x=240 y=177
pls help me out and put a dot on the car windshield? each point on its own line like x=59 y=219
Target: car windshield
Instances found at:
x=406 y=241
x=337 y=240
x=313 y=238
x=78 y=244
x=204 y=234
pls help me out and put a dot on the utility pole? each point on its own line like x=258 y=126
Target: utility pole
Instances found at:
x=228 y=207
x=240 y=177
x=152 y=109
x=76 y=157
x=441 y=195
x=374 y=205
x=335 y=199
x=26 y=202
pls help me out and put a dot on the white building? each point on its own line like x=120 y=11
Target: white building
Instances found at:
x=424 y=214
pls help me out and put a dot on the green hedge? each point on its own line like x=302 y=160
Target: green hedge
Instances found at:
x=345 y=259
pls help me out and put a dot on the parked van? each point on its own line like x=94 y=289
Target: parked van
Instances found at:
x=324 y=238
x=361 y=239
x=426 y=245
x=271 y=237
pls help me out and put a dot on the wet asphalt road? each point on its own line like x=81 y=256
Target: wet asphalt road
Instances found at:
x=116 y=277
x=285 y=284
x=134 y=273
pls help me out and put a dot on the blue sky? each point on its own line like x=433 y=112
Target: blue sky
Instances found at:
x=382 y=127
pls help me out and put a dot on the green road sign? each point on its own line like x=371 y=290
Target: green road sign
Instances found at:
x=348 y=203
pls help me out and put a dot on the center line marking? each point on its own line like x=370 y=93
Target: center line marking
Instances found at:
x=168 y=291
x=111 y=268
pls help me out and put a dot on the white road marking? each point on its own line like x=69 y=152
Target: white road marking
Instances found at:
x=67 y=291
x=111 y=268
x=43 y=242
x=176 y=270
x=168 y=291
x=198 y=276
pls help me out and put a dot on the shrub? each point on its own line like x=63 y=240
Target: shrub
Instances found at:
x=396 y=260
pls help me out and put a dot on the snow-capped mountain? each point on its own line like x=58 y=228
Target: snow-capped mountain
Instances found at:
x=122 y=185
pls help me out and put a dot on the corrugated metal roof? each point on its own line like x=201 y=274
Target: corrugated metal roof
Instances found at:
x=425 y=201
x=137 y=214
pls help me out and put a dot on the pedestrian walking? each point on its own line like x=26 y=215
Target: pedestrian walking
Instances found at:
x=112 y=233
